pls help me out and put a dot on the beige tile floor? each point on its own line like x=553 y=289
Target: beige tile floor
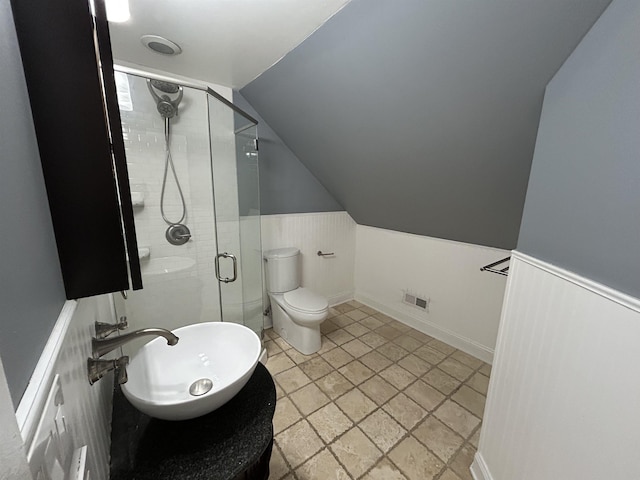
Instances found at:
x=379 y=401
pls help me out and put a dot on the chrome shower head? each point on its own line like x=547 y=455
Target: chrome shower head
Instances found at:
x=167 y=107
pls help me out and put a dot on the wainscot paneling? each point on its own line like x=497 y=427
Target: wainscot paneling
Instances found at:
x=564 y=392
x=335 y=232
x=84 y=416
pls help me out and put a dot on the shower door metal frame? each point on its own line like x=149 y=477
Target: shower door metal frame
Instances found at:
x=185 y=83
x=253 y=123
x=226 y=280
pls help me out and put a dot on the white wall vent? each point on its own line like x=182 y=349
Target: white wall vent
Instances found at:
x=410 y=299
x=416 y=300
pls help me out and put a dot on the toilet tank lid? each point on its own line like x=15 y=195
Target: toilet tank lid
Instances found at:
x=282 y=252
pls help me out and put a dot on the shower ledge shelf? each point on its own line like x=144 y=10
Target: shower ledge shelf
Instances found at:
x=163 y=265
x=137 y=199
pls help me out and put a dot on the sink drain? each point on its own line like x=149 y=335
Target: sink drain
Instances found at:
x=200 y=387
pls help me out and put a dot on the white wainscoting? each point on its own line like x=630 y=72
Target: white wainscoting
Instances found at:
x=465 y=303
x=564 y=392
x=87 y=408
x=327 y=231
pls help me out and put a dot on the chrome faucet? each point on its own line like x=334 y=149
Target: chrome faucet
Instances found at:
x=99 y=368
x=101 y=347
x=103 y=330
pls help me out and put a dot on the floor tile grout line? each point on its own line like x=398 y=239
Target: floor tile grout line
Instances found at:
x=398 y=391
x=355 y=425
x=462 y=382
x=275 y=444
x=384 y=454
x=447 y=396
x=408 y=433
x=327 y=445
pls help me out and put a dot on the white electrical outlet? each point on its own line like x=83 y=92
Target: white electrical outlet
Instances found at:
x=49 y=453
x=78 y=469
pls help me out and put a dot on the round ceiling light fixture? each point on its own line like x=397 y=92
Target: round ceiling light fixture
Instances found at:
x=160 y=45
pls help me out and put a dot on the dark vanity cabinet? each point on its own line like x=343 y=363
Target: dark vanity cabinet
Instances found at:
x=68 y=66
x=233 y=442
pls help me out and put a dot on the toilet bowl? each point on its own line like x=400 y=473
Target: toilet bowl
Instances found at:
x=296 y=312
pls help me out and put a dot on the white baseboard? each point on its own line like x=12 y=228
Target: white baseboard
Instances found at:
x=340 y=298
x=462 y=343
x=479 y=469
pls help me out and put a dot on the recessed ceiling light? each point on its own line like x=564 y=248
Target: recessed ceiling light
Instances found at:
x=118 y=10
x=160 y=45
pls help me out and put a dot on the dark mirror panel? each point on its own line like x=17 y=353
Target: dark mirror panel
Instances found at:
x=57 y=47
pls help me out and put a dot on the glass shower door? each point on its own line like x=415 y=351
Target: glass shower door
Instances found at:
x=234 y=156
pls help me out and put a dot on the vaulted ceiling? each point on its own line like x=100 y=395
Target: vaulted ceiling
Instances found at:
x=416 y=115
x=421 y=115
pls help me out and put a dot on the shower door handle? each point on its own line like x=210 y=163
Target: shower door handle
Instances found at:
x=235 y=267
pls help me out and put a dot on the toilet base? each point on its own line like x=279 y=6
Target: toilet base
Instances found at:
x=305 y=339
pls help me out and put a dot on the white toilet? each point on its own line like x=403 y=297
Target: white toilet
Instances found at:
x=297 y=312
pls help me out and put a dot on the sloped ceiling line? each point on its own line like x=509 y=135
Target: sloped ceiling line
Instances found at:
x=421 y=116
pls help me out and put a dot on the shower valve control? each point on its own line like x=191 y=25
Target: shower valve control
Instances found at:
x=178 y=234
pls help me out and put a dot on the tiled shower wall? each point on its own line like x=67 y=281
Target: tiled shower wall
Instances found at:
x=179 y=281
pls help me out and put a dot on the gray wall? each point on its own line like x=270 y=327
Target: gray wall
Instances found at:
x=421 y=116
x=32 y=292
x=286 y=185
x=582 y=210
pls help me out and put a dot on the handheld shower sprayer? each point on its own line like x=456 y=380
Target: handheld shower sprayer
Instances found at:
x=177 y=233
x=167 y=107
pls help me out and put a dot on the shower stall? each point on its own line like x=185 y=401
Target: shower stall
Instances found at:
x=192 y=158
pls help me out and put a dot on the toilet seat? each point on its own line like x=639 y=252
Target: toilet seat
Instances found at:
x=305 y=301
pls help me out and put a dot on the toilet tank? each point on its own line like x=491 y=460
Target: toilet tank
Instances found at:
x=283 y=274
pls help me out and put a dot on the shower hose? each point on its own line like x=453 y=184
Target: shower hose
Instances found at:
x=169 y=163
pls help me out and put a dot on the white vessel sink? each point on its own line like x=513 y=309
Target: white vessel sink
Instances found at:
x=209 y=365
